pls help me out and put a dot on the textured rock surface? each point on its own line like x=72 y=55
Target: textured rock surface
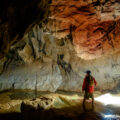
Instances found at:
x=52 y=106
x=17 y=17
x=55 y=55
x=93 y=24
x=46 y=63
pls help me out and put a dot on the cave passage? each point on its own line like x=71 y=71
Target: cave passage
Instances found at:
x=46 y=47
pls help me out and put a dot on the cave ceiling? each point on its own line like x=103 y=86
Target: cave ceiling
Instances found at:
x=93 y=25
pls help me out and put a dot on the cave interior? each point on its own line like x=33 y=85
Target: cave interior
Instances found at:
x=46 y=47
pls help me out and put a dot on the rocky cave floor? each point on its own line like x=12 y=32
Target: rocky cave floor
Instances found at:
x=32 y=105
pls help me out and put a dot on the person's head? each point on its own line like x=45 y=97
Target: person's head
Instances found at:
x=88 y=72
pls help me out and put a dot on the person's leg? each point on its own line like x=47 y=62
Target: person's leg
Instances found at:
x=84 y=100
x=92 y=102
x=83 y=104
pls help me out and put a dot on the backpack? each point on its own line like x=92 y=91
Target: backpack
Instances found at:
x=90 y=81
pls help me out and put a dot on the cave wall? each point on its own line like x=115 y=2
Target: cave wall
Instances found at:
x=17 y=18
x=43 y=62
x=54 y=53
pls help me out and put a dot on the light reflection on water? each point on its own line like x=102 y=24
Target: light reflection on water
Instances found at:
x=110 y=100
x=110 y=116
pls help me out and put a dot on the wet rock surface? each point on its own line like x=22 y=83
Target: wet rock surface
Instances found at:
x=51 y=106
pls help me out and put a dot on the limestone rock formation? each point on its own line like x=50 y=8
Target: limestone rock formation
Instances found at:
x=54 y=55
x=46 y=63
x=17 y=17
x=42 y=103
x=94 y=25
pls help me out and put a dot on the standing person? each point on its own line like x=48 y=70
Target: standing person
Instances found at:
x=88 y=87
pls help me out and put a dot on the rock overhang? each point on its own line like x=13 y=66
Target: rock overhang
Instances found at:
x=94 y=25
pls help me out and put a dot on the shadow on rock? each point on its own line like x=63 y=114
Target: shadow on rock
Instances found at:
x=29 y=112
x=11 y=116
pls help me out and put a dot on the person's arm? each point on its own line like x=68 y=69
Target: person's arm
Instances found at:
x=94 y=81
x=84 y=84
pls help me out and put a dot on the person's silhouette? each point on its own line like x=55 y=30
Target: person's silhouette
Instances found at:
x=88 y=87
